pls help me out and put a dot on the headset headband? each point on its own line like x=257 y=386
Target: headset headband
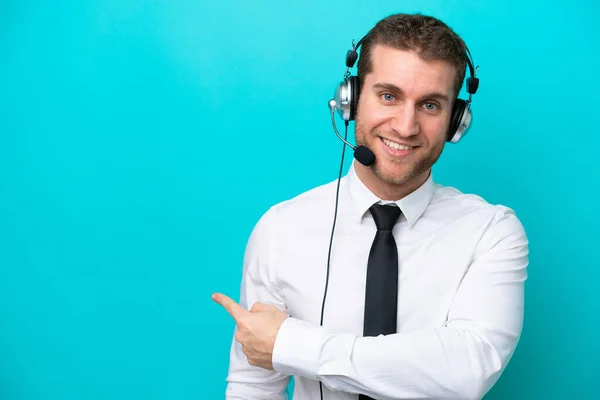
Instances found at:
x=472 y=83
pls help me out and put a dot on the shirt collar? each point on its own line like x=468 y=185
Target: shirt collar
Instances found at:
x=412 y=205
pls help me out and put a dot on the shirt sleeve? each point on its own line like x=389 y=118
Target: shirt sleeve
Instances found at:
x=460 y=360
x=245 y=381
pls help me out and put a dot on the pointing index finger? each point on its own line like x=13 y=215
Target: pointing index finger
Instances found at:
x=233 y=308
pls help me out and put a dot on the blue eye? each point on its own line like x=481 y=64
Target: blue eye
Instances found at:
x=430 y=106
x=388 y=97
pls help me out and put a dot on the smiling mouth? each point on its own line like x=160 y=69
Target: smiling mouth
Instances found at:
x=396 y=146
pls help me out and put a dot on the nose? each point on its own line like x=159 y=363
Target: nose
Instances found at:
x=404 y=121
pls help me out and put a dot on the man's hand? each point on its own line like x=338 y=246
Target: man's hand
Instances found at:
x=257 y=329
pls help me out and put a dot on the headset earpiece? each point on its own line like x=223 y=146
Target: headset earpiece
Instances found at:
x=460 y=121
x=461 y=118
x=347 y=93
x=346 y=98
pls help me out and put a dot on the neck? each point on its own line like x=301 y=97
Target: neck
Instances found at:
x=386 y=190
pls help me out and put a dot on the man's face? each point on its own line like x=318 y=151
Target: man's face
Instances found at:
x=403 y=113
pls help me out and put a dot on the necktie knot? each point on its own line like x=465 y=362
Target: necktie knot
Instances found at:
x=385 y=216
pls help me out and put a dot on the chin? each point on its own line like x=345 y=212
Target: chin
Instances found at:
x=401 y=172
x=394 y=176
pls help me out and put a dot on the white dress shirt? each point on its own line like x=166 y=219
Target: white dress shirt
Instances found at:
x=462 y=267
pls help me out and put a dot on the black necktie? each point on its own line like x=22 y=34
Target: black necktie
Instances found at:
x=381 y=297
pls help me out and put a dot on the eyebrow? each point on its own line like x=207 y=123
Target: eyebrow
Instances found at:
x=396 y=90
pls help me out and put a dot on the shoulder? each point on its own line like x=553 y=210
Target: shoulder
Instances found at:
x=455 y=202
x=313 y=203
x=304 y=205
x=495 y=222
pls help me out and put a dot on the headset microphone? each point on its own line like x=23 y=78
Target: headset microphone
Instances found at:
x=362 y=153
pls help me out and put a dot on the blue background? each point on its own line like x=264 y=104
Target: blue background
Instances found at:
x=128 y=128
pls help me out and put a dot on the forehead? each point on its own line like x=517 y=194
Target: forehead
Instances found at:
x=409 y=72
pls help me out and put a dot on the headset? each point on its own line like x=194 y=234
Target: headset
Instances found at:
x=345 y=102
x=346 y=95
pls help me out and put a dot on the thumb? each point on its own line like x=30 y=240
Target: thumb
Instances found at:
x=258 y=307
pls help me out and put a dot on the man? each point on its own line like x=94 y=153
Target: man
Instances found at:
x=458 y=264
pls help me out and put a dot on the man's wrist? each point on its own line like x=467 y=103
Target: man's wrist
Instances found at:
x=297 y=348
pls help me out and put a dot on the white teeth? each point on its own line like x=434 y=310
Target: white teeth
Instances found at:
x=395 y=145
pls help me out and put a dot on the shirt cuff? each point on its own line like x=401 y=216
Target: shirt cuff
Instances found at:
x=298 y=347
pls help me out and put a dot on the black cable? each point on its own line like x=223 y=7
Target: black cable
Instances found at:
x=337 y=193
